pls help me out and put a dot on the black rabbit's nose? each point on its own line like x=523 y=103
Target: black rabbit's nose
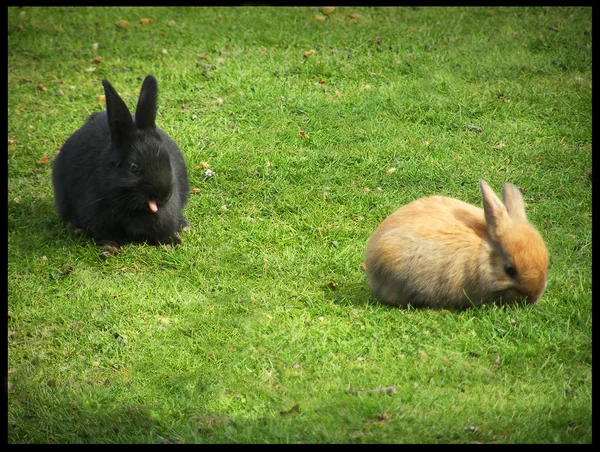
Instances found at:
x=161 y=198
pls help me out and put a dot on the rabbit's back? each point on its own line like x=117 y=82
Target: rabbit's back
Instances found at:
x=76 y=166
x=425 y=252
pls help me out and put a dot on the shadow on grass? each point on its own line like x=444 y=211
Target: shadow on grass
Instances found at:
x=357 y=294
x=34 y=224
x=74 y=424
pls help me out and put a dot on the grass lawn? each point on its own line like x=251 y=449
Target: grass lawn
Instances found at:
x=260 y=328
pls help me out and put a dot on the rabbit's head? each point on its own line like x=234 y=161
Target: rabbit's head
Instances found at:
x=141 y=174
x=519 y=257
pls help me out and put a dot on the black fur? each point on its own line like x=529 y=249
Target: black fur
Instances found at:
x=108 y=170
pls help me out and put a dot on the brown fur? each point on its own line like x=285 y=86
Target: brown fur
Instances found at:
x=442 y=252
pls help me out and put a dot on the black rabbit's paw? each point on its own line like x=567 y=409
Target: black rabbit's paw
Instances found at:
x=74 y=229
x=169 y=242
x=185 y=225
x=108 y=249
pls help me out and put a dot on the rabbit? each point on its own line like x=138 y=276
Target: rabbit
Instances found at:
x=439 y=252
x=121 y=179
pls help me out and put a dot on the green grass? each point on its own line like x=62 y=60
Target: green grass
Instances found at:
x=265 y=306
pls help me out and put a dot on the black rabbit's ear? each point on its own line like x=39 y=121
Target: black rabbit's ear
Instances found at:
x=119 y=117
x=145 y=113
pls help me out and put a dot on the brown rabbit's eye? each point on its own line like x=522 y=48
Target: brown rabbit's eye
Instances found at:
x=510 y=270
x=134 y=167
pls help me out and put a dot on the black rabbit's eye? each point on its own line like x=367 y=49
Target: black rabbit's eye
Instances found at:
x=134 y=167
x=510 y=270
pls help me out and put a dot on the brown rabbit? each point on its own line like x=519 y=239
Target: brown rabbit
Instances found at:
x=442 y=252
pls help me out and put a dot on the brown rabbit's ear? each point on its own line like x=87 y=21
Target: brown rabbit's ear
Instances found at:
x=513 y=200
x=496 y=215
x=145 y=112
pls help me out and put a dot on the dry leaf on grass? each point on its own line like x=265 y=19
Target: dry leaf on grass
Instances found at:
x=302 y=134
x=294 y=409
x=354 y=16
x=101 y=99
x=332 y=284
x=97 y=59
x=203 y=165
x=390 y=171
x=41 y=87
x=475 y=128
x=145 y=21
x=91 y=69
x=66 y=271
x=194 y=191
x=123 y=23
x=20 y=28
x=308 y=53
x=381 y=417
x=328 y=9
x=25 y=79
x=43 y=160
x=318 y=17
x=11 y=141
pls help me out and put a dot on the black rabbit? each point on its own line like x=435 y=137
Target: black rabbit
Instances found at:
x=122 y=179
